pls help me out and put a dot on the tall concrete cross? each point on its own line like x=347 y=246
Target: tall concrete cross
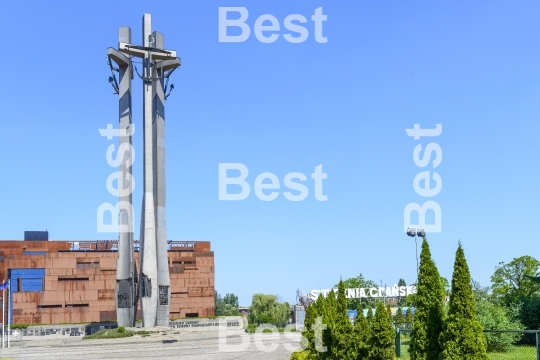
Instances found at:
x=154 y=281
x=125 y=292
x=162 y=70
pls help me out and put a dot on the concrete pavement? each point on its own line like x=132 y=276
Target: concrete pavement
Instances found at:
x=203 y=346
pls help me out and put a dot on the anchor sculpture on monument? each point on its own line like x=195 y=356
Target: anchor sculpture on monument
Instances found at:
x=153 y=279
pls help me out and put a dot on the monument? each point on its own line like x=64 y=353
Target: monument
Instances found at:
x=153 y=281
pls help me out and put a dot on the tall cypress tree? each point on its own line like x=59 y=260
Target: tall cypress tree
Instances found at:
x=342 y=334
x=320 y=305
x=399 y=316
x=329 y=319
x=370 y=315
x=408 y=315
x=462 y=336
x=428 y=320
x=382 y=340
x=330 y=308
x=362 y=334
x=308 y=340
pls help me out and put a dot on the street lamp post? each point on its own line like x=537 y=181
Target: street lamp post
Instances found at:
x=412 y=232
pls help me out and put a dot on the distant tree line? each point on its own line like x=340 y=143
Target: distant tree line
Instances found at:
x=227 y=305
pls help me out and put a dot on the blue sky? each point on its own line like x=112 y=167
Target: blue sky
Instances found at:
x=473 y=67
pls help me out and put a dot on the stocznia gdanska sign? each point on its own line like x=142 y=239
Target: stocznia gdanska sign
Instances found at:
x=356 y=293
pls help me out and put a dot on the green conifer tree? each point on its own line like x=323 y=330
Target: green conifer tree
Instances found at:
x=342 y=331
x=382 y=340
x=429 y=316
x=320 y=304
x=341 y=306
x=329 y=319
x=370 y=315
x=399 y=316
x=330 y=308
x=462 y=336
x=308 y=340
x=408 y=316
x=362 y=334
x=402 y=299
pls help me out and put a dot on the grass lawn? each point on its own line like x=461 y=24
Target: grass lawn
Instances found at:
x=109 y=334
x=405 y=342
x=518 y=353
x=114 y=334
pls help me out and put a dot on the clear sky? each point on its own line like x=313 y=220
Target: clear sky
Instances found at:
x=471 y=66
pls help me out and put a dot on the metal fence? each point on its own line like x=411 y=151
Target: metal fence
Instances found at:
x=502 y=344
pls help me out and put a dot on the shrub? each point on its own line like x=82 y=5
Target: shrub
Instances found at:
x=109 y=334
x=251 y=328
x=493 y=317
x=530 y=312
x=19 y=326
x=121 y=329
x=303 y=355
x=264 y=318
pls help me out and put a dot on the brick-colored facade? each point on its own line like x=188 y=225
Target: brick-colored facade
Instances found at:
x=79 y=284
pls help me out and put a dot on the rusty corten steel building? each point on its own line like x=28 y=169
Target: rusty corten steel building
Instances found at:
x=74 y=281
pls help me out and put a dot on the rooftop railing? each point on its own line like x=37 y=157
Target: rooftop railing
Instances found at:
x=112 y=245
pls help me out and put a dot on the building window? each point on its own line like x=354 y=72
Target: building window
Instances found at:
x=72 y=278
x=24 y=280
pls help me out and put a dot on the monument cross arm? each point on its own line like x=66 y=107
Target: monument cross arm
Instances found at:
x=143 y=51
x=168 y=64
x=117 y=57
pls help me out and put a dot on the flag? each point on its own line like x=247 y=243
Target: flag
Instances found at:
x=4 y=285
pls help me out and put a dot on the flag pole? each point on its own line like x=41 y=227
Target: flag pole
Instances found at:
x=3 y=311
x=9 y=314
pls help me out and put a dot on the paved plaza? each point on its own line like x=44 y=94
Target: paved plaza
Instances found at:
x=188 y=345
